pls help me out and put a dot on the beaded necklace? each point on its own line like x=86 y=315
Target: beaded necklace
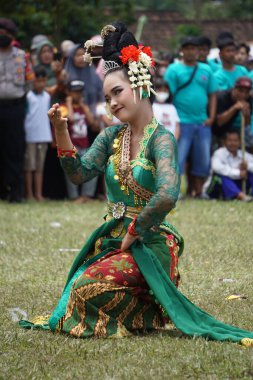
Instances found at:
x=123 y=172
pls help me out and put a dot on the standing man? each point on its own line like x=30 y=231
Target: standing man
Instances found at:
x=15 y=73
x=193 y=88
x=227 y=74
x=204 y=45
x=243 y=54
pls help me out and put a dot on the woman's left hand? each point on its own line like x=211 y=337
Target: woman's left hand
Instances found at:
x=127 y=241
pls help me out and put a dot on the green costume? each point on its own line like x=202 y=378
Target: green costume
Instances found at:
x=113 y=293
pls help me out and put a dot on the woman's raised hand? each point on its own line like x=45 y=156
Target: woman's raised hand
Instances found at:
x=55 y=117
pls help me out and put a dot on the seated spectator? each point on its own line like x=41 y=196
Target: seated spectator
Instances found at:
x=231 y=105
x=242 y=55
x=164 y=111
x=229 y=169
x=38 y=134
x=80 y=119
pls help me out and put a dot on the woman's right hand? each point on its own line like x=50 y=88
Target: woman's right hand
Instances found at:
x=55 y=117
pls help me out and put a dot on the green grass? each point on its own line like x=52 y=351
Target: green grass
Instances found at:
x=219 y=244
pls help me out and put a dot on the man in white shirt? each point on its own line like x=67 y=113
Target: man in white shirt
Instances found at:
x=229 y=170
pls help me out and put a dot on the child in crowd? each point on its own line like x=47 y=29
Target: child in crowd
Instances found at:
x=164 y=111
x=38 y=134
x=229 y=170
x=80 y=119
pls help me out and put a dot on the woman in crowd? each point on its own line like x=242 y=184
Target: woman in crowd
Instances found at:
x=45 y=57
x=77 y=69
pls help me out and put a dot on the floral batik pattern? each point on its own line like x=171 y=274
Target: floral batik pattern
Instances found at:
x=111 y=298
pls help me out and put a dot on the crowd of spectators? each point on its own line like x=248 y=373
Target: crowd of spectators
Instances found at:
x=213 y=99
x=206 y=103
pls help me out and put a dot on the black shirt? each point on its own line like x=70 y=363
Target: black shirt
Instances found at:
x=224 y=102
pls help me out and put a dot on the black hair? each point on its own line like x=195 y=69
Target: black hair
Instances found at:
x=232 y=132
x=223 y=43
x=204 y=41
x=40 y=71
x=245 y=46
x=224 y=35
x=117 y=40
x=114 y=42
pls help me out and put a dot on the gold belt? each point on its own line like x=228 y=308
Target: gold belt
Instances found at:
x=120 y=210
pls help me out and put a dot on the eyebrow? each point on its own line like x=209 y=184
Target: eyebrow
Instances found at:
x=115 y=88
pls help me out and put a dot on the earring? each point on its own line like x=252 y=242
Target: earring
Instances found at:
x=108 y=112
x=144 y=94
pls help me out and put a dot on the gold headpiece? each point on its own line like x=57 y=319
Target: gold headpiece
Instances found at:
x=107 y=29
x=138 y=60
x=89 y=46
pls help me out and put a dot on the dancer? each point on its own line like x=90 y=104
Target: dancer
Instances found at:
x=125 y=277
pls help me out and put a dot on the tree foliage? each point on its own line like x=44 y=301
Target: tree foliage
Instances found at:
x=80 y=19
x=63 y=19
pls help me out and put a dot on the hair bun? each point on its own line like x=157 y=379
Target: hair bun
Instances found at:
x=115 y=41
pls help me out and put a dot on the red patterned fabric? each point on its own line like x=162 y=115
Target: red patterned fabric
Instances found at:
x=120 y=268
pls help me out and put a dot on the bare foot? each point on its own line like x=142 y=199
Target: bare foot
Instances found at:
x=40 y=198
x=80 y=200
x=244 y=197
x=30 y=198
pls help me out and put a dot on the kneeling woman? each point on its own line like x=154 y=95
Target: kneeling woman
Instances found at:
x=125 y=278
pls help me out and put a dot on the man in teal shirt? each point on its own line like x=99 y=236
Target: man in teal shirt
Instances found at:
x=204 y=46
x=227 y=74
x=193 y=87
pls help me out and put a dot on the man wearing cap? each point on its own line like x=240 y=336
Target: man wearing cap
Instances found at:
x=193 y=88
x=227 y=74
x=231 y=105
x=15 y=74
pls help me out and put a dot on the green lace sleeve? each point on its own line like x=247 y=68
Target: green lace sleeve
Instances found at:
x=92 y=163
x=162 y=150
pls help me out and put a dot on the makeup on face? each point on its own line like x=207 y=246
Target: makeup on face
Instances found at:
x=119 y=96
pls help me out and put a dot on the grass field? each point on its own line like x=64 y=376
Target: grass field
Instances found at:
x=219 y=245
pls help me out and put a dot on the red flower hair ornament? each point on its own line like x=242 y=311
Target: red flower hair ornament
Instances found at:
x=139 y=61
